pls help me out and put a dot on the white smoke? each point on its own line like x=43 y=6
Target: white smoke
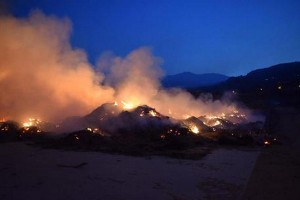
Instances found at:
x=42 y=76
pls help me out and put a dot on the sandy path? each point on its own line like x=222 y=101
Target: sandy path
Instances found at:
x=32 y=173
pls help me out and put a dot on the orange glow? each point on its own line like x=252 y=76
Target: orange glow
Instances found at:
x=162 y=136
x=194 y=129
x=3 y=119
x=153 y=113
x=31 y=122
x=127 y=106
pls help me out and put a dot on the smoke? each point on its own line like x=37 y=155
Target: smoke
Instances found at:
x=136 y=79
x=41 y=75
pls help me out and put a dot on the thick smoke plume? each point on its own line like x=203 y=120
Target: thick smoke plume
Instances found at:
x=137 y=81
x=42 y=76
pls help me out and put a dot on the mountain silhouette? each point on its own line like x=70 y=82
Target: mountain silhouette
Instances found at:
x=262 y=88
x=191 y=80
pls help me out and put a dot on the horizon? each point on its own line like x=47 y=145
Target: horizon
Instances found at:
x=233 y=75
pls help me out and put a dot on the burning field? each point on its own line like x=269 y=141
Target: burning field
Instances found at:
x=120 y=128
x=48 y=88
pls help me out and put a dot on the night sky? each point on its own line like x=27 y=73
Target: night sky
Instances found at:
x=229 y=37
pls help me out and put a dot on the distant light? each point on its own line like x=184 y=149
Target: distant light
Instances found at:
x=261 y=89
x=279 y=87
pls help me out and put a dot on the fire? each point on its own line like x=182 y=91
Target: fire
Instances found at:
x=127 y=106
x=266 y=142
x=217 y=123
x=152 y=113
x=186 y=116
x=194 y=129
x=6 y=128
x=209 y=117
x=3 y=119
x=31 y=122
x=142 y=114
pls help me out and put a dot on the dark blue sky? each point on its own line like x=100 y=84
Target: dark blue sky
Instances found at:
x=223 y=36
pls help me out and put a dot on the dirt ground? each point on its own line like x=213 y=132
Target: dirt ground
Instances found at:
x=276 y=174
x=32 y=173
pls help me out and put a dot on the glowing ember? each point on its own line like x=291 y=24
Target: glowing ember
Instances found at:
x=174 y=132
x=3 y=119
x=6 y=128
x=186 y=116
x=31 y=122
x=153 y=113
x=211 y=117
x=217 y=123
x=95 y=130
x=162 y=136
x=194 y=129
x=127 y=106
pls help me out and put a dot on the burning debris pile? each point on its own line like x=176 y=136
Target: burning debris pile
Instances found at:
x=115 y=127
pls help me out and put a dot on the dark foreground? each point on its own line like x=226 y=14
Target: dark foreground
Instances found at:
x=273 y=172
x=28 y=172
x=276 y=174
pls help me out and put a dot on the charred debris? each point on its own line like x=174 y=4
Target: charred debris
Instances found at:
x=140 y=131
